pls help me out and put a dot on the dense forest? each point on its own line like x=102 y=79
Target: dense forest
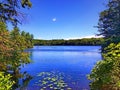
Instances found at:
x=85 y=41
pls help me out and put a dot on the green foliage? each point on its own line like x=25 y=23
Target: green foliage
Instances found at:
x=10 y=10
x=12 y=55
x=13 y=43
x=109 y=21
x=108 y=41
x=5 y=82
x=85 y=41
x=106 y=73
x=12 y=46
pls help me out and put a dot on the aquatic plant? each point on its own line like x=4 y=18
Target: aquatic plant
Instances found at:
x=52 y=81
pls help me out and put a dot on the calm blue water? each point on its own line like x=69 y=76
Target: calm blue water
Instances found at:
x=74 y=62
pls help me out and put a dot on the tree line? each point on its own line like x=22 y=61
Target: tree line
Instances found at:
x=85 y=41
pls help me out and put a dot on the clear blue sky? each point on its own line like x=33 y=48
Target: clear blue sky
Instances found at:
x=62 y=19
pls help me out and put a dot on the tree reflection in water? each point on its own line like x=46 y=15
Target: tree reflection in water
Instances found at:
x=12 y=65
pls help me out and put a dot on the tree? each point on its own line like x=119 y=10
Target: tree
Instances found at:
x=5 y=43
x=106 y=73
x=9 y=10
x=109 y=21
x=12 y=55
x=11 y=44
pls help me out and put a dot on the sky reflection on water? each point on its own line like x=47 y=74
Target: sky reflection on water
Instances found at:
x=74 y=61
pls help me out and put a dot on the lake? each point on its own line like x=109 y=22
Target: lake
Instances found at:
x=61 y=67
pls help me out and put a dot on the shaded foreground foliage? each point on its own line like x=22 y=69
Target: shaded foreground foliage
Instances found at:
x=7 y=82
x=85 y=41
x=106 y=73
x=12 y=44
x=12 y=55
x=10 y=10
